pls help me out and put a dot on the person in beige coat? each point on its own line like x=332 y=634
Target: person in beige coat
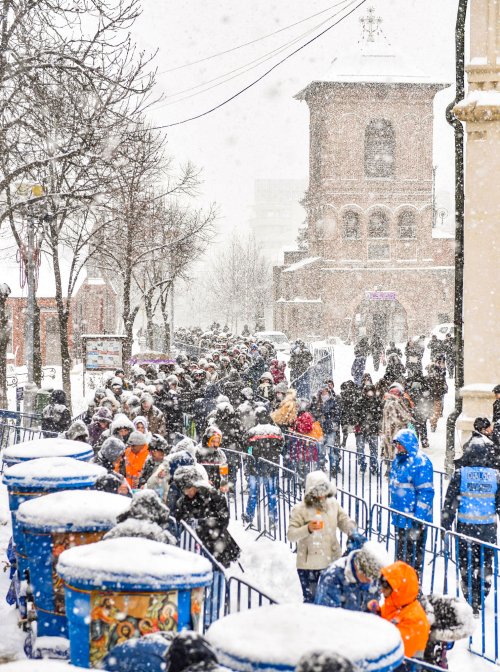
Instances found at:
x=313 y=526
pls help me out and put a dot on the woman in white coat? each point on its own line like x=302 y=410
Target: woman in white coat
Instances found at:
x=313 y=526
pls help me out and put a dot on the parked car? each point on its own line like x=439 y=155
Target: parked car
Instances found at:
x=277 y=338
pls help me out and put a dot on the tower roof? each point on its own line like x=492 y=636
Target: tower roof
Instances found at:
x=372 y=60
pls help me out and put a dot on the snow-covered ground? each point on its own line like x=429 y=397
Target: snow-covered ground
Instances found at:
x=268 y=564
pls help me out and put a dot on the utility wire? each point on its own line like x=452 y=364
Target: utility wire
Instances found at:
x=246 y=44
x=248 y=66
x=256 y=81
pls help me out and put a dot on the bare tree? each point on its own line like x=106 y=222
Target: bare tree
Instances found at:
x=239 y=282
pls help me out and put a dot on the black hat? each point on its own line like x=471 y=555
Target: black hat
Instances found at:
x=496 y=389
x=188 y=649
x=481 y=423
x=324 y=661
x=157 y=442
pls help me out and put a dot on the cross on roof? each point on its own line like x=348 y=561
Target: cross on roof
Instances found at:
x=371 y=25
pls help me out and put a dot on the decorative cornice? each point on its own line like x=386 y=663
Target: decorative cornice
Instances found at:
x=480 y=105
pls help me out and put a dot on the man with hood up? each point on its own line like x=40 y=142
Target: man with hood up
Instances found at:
x=473 y=497
x=56 y=416
x=350 y=582
x=313 y=527
x=411 y=492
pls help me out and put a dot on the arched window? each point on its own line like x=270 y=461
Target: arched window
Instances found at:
x=380 y=147
x=351 y=225
x=407 y=224
x=378 y=226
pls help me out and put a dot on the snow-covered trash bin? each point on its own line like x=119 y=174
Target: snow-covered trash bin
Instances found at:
x=276 y=637
x=54 y=447
x=37 y=477
x=51 y=525
x=122 y=588
x=38 y=666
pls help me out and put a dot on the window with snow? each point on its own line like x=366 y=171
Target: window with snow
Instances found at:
x=378 y=251
x=351 y=225
x=378 y=226
x=380 y=148
x=407 y=224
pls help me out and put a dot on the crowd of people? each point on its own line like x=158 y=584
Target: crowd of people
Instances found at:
x=236 y=401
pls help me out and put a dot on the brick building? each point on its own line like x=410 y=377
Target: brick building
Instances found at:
x=375 y=261
x=93 y=310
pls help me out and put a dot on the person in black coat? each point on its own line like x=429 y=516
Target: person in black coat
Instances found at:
x=476 y=515
x=190 y=652
x=496 y=403
x=229 y=422
x=418 y=388
x=377 y=350
x=56 y=416
x=368 y=415
x=300 y=360
x=206 y=510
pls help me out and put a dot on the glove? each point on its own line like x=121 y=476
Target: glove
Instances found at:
x=355 y=541
x=373 y=607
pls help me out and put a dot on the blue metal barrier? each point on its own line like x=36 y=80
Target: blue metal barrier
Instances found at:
x=241 y=595
x=311 y=381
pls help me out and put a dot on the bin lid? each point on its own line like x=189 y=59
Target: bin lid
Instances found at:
x=72 y=510
x=135 y=564
x=52 y=472
x=276 y=637
x=54 y=447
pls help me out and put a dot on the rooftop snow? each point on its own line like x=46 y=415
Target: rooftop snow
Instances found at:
x=299 y=300
x=52 y=471
x=123 y=560
x=279 y=636
x=489 y=98
x=74 y=509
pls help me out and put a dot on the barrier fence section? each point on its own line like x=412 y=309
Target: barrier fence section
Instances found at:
x=226 y=594
x=450 y=564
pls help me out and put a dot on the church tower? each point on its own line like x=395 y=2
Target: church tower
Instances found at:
x=375 y=261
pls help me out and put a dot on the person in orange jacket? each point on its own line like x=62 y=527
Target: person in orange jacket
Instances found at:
x=134 y=457
x=399 y=584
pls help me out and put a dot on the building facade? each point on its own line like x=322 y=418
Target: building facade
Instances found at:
x=376 y=262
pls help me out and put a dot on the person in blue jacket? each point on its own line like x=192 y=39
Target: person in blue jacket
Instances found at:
x=350 y=582
x=473 y=497
x=411 y=492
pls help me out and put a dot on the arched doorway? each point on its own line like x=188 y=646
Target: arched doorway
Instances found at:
x=383 y=316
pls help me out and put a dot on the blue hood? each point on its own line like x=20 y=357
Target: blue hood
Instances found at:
x=408 y=439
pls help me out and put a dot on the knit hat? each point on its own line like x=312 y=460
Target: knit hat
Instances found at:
x=138 y=439
x=146 y=505
x=188 y=477
x=142 y=419
x=367 y=563
x=189 y=650
x=324 y=661
x=120 y=421
x=209 y=433
x=247 y=393
x=77 y=431
x=102 y=414
x=116 y=381
x=112 y=449
x=157 y=442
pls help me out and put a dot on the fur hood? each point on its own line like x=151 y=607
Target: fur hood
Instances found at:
x=450 y=618
x=318 y=485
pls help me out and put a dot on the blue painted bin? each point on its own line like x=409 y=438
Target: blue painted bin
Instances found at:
x=37 y=477
x=52 y=524
x=274 y=638
x=125 y=588
x=52 y=447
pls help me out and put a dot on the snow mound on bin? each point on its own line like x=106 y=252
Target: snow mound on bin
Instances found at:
x=55 y=447
x=52 y=471
x=39 y=666
x=276 y=637
x=128 y=560
x=74 y=509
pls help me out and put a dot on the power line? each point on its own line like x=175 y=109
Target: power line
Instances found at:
x=243 y=69
x=246 y=44
x=256 y=81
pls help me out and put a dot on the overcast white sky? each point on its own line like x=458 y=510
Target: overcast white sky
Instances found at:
x=264 y=132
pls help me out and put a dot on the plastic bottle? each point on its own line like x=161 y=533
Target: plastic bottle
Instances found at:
x=317 y=535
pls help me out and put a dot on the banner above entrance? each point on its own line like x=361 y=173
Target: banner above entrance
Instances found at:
x=381 y=296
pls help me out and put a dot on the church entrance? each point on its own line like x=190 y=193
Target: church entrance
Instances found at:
x=380 y=313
